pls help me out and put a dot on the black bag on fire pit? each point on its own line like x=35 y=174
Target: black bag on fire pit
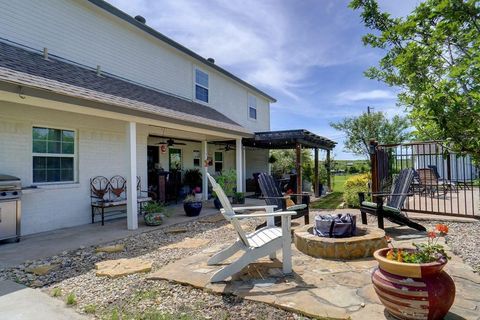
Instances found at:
x=335 y=226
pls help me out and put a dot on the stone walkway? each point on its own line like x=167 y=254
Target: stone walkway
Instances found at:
x=319 y=288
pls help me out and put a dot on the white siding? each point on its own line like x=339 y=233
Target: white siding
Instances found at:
x=256 y=161
x=81 y=32
x=101 y=151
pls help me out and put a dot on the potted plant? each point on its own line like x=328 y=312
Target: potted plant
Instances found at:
x=238 y=198
x=192 y=178
x=192 y=206
x=154 y=213
x=415 y=278
x=198 y=193
x=227 y=180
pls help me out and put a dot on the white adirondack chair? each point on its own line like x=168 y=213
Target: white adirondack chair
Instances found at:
x=263 y=242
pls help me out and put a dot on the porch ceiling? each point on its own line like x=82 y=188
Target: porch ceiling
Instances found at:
x=27 y=68
x=288 y=139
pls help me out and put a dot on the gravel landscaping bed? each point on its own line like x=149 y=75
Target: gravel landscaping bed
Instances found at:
x=464 y=240
x=135 y=297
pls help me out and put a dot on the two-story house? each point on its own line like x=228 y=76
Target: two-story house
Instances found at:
x=87 y=90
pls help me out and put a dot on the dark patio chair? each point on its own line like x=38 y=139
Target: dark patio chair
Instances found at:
x=431 y=184
x=273 y=196
x=392 y=210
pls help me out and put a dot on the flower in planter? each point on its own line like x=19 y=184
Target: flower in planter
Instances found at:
x=423 y=252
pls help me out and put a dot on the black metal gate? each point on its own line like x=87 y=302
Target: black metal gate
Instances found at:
x=445 y=183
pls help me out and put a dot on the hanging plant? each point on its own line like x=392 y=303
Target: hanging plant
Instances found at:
x=272 y=159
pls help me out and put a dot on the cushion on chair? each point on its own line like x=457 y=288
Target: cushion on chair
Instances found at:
x=289 y=202
x=373 y=205
x=296 y=207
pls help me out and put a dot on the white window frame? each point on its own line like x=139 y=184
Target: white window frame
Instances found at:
x=195 y=68
x=57 y=155
x=215 y=161
x=252 y=106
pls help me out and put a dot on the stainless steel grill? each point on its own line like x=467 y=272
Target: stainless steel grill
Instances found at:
x=10 y=213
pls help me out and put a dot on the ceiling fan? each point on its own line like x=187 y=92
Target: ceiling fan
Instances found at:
x=227 y=147
x=170 y=142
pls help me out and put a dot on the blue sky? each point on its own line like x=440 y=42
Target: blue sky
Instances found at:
x=308 y=54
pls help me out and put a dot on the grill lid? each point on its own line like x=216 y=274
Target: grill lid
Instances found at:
x=6 y=177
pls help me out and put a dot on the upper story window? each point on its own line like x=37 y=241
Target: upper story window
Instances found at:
x=252 y=107
x=53 y=153
x=201 y=85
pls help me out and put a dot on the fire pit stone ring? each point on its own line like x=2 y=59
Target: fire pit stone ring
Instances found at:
x=363 y=245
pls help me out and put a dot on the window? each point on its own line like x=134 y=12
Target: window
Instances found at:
x=196 y=158
x=252 y=107
x=201 y=85
x=53 y=155
x=218 y=161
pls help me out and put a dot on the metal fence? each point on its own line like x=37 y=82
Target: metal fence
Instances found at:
x=445 y=183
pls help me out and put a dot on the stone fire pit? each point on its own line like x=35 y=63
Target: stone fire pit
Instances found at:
x=363 y=245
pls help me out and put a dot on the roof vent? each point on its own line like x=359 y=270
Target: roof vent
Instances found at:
x=211 y=60
x=45 y=53
x=140 y=19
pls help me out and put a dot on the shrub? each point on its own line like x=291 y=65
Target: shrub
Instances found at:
x=90 y=309
x=56 y=292
x=354 y=185
x=71 y=299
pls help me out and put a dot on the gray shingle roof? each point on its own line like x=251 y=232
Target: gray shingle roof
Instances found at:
x=29 y=68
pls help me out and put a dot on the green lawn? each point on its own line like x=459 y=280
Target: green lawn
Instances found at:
x=331 y=201
x=334 y=199
x=338 y=181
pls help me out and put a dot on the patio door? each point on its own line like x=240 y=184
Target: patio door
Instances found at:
x=174 y=159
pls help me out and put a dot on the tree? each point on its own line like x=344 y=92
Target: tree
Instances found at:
x=433 y=56
x=286 y=160
x=360 y=130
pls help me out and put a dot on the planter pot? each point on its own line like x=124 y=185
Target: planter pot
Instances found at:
x=236 y=200
x=192 y=209
x=411 y=290
x=217 y=204
x=153 y=219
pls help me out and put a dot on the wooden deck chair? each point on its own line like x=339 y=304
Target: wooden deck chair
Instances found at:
x=392 y=210
x=273 y=196
x=263 y=242
x=431 y=183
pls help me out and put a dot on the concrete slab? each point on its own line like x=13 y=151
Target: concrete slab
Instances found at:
x=18 y=302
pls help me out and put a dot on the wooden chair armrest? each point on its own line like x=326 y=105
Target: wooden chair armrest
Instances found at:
x=254 y=208
x=264 y=215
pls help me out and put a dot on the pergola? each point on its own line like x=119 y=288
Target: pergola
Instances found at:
x=295 y=139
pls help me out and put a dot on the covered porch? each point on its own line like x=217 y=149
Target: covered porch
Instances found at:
x=297 y=140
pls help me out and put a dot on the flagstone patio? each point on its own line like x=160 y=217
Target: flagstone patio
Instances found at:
x=318 y=288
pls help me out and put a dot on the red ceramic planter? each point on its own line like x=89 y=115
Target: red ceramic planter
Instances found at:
x=413 y=291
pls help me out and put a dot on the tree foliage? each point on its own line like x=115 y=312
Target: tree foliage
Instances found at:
x=433 y=56
x=360 y=130
x=285 y=163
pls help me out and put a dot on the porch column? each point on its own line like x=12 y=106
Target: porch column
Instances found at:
x=204 y=155
x=317 y=183
x=244 y=176
x=329 y=172
x=239 y=164
x=132 y=215
x=298 y=167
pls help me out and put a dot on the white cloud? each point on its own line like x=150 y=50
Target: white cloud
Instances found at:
x=371 y=95
x=272 y=44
